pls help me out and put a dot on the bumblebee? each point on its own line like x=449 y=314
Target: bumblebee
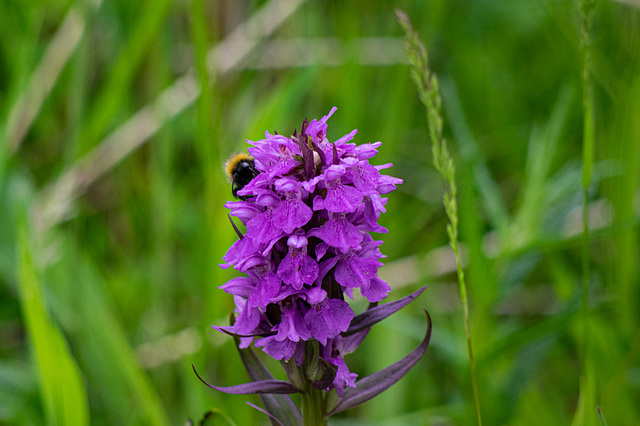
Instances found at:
x=240 y=170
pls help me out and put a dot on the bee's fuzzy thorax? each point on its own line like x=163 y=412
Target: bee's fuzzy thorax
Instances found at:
x=231 y=166
x=240 y=171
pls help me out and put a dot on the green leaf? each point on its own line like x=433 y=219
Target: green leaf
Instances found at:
x=61 y=386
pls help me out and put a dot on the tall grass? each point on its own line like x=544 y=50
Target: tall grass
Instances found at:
x=587 y=379
x=429 y=93
x=115 y=118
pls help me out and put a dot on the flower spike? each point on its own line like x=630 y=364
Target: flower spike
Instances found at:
x=310 y=210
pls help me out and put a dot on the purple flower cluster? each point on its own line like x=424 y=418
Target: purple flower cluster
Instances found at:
x=308 y=216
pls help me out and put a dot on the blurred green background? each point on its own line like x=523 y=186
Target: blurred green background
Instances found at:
x=116 y=118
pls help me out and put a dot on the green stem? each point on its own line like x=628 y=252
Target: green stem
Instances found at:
x=465 y=308
x=313 y=400
x=585 y=273
x=587 y=379
x=429 y=93
x=313 y=407
x=451 y=206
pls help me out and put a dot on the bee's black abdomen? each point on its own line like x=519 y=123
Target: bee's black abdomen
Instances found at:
x=241 y=170
x=244 y=173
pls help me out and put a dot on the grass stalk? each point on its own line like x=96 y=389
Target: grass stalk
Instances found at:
x=45 y=76
x=429 y=93
x=56 y=202
x=587 y=385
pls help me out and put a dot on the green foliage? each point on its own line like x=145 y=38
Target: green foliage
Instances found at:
x=115 y=118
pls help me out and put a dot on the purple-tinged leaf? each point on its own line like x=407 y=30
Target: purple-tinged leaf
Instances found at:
x=353 y=341
x=377 y=314
x=273 y=418
x=380 y=381
x=224 y=329
x=307 y=155
x=260 y=387
x=210 y=417
x=278 y=406
x=235 y=227
x=316 y=148
x=335 y=154
x=329 y=374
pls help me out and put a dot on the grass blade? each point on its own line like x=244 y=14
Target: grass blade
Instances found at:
x=61 y=387
x=45 y=75
x=56 y=201
x=587 y=378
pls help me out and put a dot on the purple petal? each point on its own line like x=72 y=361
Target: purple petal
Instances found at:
x=367 y=150
x=342 y=198
x=292 y=325
x=342 y=142
x=239 y=251
x=310 y=185
x=376 y=291
x=317 y=129
x=318 y=203
x=373 y=206
x=387 y=184
x=265 y=197
x=334 y=172
x=328 y=319
x=354 y=271
x=298 y=268
x=343 y=376
x=298 y=240
x=278 y=349
x=321 y=249
x=291 y=214
x=365 y=177
x=266 y=290
x=287 y=185
x=262 y=229
x=239 y=286
x=325 y=267
x=282 y=167
x=248 y=318
x=243 y=210
x=338 y=232
x=316 y=295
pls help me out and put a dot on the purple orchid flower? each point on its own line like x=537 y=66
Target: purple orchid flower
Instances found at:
x=309 y=214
